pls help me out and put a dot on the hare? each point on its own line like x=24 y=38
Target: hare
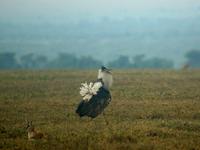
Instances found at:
x=32 y=133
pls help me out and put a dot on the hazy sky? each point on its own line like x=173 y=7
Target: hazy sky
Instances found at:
x=56 y=11
x=30 y=9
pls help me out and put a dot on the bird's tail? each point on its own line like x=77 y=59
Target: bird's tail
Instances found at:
x=88 y=90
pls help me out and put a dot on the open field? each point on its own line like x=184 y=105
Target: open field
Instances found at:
x=150 y=109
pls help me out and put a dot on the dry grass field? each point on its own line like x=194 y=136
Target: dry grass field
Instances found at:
x=150 y=109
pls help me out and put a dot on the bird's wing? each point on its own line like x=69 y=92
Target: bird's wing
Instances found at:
x=95 y=105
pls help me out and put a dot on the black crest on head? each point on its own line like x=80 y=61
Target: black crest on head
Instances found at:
x=103 y=68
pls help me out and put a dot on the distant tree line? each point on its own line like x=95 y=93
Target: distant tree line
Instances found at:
x=9 y=60
x=32 y=61
x=193 y=59
x=139 y=61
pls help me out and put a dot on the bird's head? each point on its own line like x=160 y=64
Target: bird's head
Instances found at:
x=106 y=75
x=106 y=70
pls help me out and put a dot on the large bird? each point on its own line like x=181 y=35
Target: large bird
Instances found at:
x=96 y=95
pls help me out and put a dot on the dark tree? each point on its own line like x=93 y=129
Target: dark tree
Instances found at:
x=158 y=63
x=27 y=61
x=88 y=62
x=64 y=60
x=8 y=61
x=32 y=61
x=193 y=58
x=41 y=62
x=138 y=61
x=121 y=62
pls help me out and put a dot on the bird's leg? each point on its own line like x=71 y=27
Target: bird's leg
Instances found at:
x=89 y=131
x=96 y=128
x=93 y=120
x=90 y=125
x=107 y=123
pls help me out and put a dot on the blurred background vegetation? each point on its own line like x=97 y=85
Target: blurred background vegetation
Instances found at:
x=10 y=60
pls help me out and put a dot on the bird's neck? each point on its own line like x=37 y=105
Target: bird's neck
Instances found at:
x=106 y=78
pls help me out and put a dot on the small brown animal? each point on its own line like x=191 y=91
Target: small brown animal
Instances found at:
x=32 y=133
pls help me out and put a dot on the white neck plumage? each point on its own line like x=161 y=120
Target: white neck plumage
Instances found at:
x=106 y=77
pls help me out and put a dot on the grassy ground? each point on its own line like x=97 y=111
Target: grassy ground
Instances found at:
x=150 y=110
